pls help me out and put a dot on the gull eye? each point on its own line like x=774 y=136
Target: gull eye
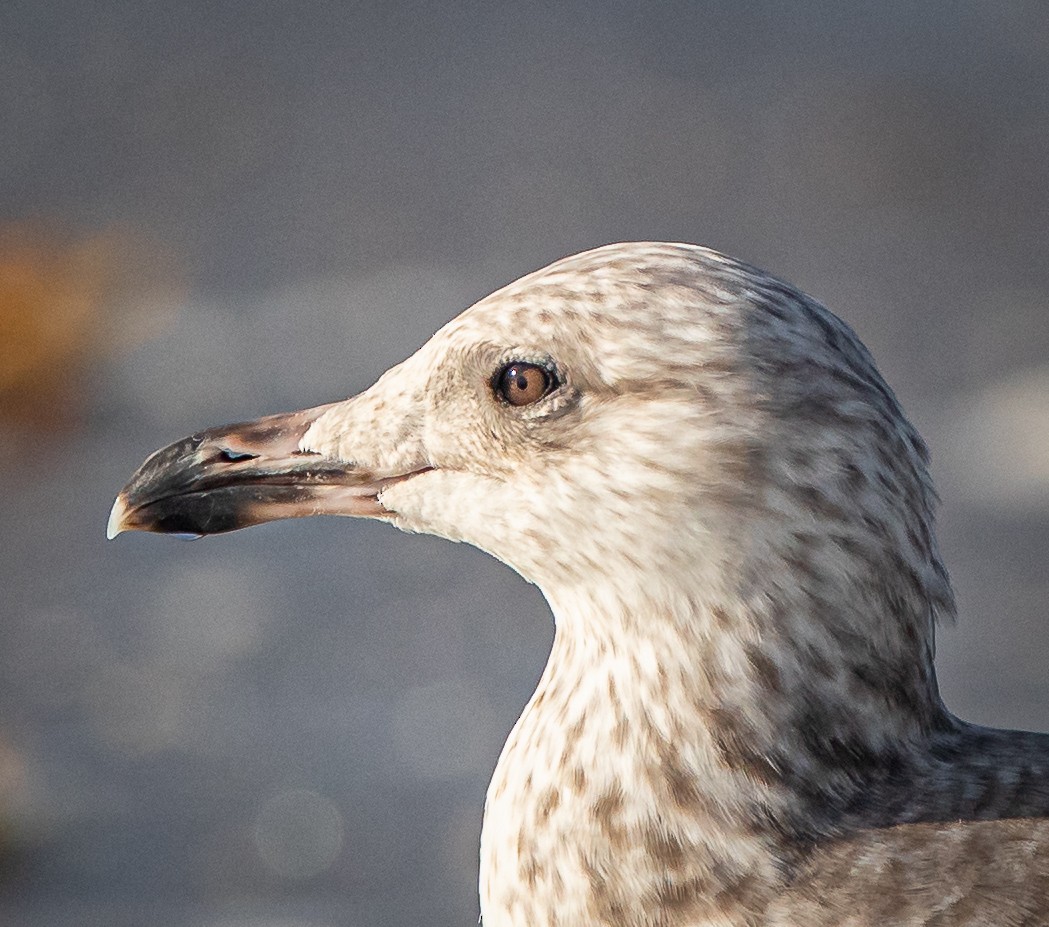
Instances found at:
x=521 y=383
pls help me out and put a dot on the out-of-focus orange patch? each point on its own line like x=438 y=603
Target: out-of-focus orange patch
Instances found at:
x=15 y=793
x=66 y=301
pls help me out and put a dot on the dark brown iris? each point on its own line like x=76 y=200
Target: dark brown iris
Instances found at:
x=521 y=384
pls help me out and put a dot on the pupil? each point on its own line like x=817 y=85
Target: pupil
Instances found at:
x=522 y=382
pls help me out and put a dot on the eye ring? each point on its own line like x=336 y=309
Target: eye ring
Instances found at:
x=521 y=383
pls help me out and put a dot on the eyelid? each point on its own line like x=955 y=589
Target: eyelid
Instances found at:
x=527 y=356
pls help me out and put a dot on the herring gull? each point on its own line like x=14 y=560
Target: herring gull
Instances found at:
x=732 y=521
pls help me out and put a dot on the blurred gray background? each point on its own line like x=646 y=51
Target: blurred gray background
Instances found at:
x=214 y=210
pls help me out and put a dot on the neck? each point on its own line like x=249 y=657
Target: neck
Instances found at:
x=684 y=740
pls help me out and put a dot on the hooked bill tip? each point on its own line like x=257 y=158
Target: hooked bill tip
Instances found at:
x=115 y=525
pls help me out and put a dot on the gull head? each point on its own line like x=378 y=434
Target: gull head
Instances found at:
x=641 y=421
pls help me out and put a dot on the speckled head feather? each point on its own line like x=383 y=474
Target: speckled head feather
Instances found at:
x=732 y=521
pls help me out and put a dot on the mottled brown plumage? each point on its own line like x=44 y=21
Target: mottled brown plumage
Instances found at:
x=732 y=520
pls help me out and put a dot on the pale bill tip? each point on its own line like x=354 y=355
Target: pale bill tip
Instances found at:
x=116 y=518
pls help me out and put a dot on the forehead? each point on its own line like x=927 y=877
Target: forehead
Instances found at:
x=621 y=307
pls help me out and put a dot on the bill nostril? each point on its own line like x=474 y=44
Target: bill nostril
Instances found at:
x=232 y=456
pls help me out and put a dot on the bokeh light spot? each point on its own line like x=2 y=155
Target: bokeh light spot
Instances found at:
x=298 y=833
